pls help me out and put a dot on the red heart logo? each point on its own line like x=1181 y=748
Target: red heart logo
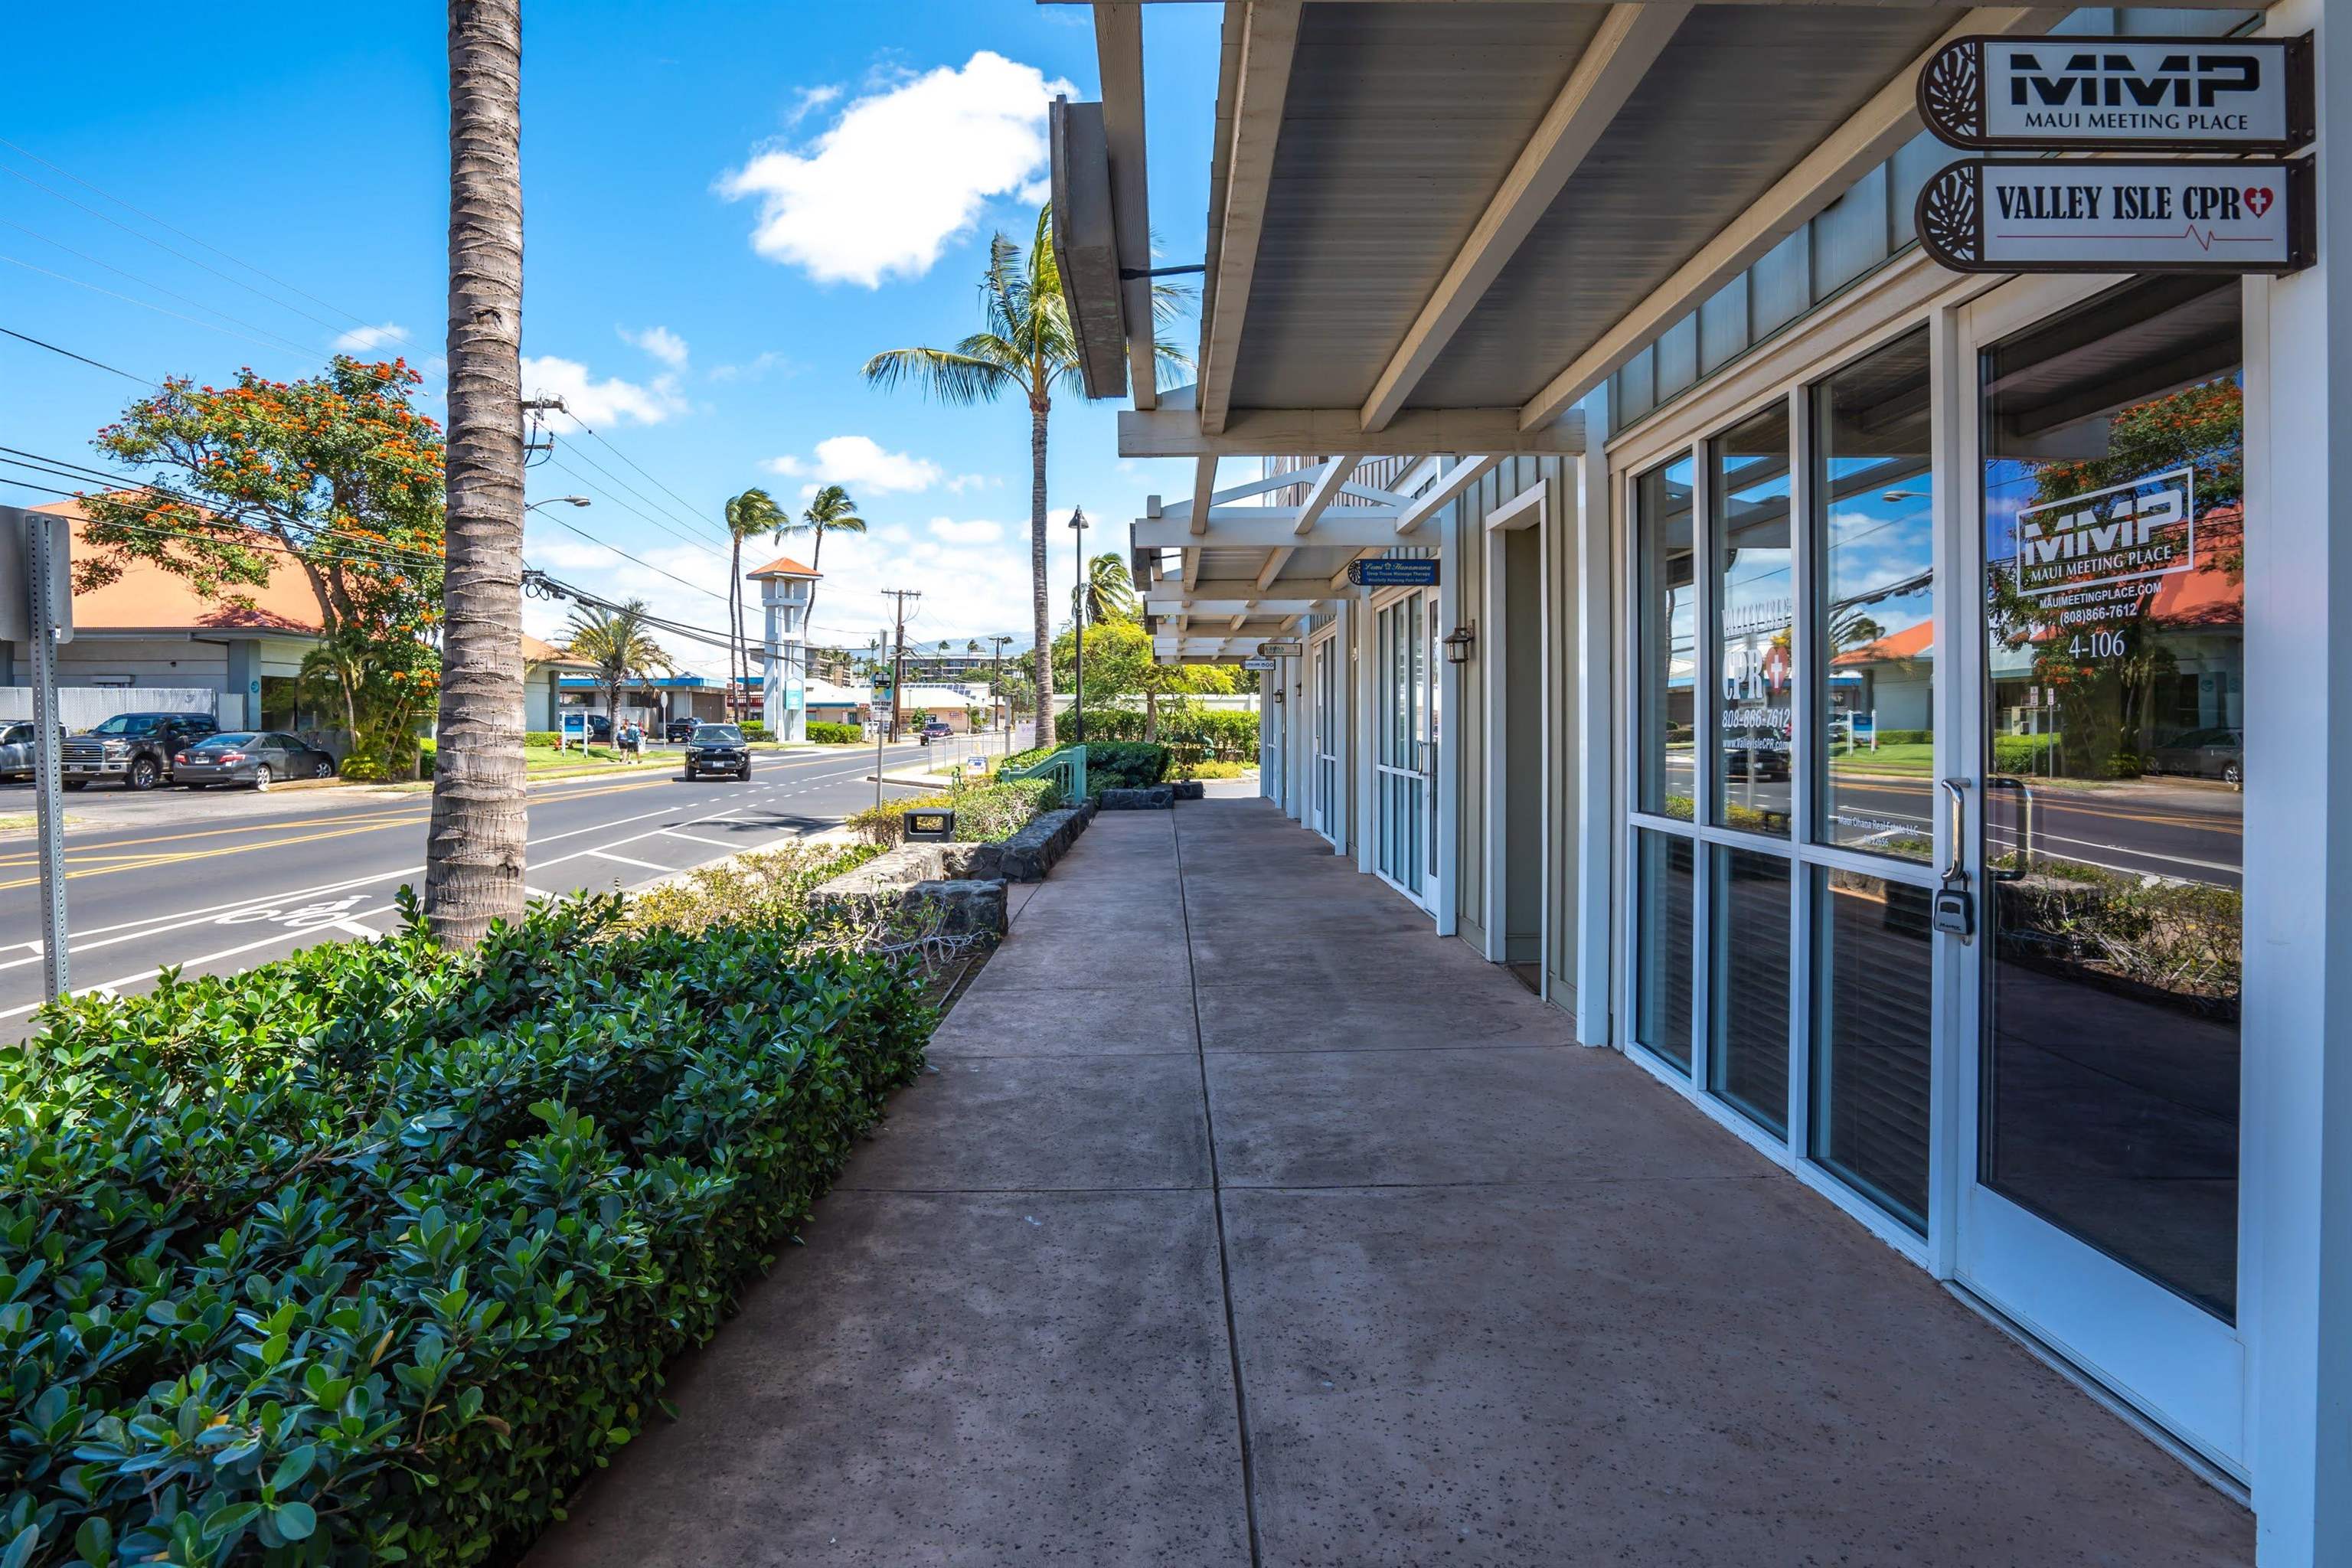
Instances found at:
x=2258 y=199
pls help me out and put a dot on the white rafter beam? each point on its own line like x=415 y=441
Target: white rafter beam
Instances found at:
x=1119 y=62
x=1275 y=560
x=1269 y=35
x=1176 y=432
x=1343 y=527
x=1326 y=487
x=1867 y=138
x=1450 y=484
x=1610 y=67
x=1205 y=483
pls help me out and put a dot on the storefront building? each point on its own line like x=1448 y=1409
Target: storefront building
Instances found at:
x=1893 y=705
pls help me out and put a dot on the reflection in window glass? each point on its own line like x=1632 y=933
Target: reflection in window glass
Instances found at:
x=1664 y=627
x=1755 y=606
x=1662 y=945
x=1872 y=1014
x=1875 y=508
x=2115 y=540
x=1747 y=994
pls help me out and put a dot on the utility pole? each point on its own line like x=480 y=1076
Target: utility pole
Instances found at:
x=898 y=596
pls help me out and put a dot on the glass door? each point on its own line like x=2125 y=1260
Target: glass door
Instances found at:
x=1403 y=762
x=2100 y=1191
x=1327 y=731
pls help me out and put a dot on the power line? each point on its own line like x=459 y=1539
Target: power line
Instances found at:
x=142 y=304
x=632 y=463
x=303 y=349
x=183 y=234
x=182 y=255
x=686 y=538
x=85 y=359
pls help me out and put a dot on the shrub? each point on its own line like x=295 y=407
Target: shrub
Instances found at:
x=1209 y=770
x=1220 y=733
x=2020 y=753
x=546 y=737
x=985 y=813
x=1124 y=764
x=764 y=889
x=372 y=1253
x=825 y=734
x=1904 y=737
x=754 y=730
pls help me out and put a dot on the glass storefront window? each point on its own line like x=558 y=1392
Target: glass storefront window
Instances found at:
x=1872 y=1018
x=1747 y=994
x=1753 y=656
x=1666 y=629
x=2115 y=536
x=1662 y=944
x=1872 y=622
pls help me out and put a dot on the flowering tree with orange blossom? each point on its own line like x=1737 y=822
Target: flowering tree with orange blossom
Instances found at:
x=338 y=476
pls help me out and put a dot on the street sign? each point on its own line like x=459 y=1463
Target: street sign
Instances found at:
x=2116 y=94
x=1258 y=663
x=16 y=598
x=2039 y=215
x=1280 y=647
x=1393 y=572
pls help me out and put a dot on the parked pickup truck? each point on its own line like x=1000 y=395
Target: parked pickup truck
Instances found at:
x=134 y=749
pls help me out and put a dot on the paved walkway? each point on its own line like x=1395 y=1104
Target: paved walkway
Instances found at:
x=1245 y=1222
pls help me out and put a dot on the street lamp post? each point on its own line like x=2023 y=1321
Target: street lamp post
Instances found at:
x=558 y=500
x=996 y=683
x=1079 y=637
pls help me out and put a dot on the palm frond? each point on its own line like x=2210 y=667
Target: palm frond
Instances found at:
x=950 y=376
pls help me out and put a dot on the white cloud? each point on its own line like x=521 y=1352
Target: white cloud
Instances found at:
x=361 y=340
x=807 y=100
x=659 y=341
x=901 y=170
x=963 y=482
x=976 y=530
x=753 y=369
x=861 y=463
x=608 y=402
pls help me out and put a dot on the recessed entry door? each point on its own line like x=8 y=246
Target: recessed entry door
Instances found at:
x=2099 y=1201
x=1405 y=755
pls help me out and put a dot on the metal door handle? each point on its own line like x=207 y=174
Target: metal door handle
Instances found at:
x=1955 y=790
x=2024 y=826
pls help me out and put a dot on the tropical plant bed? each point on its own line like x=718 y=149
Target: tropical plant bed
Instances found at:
x=373 y=1254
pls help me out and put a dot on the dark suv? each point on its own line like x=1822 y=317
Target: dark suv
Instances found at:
x=679 y=730
x=134 y=748
x=717 y=749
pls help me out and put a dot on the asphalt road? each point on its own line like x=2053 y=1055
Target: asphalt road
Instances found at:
x=219 y=882
x=2191 y=829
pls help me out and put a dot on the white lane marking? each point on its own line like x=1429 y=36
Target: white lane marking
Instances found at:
x=624 y=859
x=133 y=979
x=690 y=838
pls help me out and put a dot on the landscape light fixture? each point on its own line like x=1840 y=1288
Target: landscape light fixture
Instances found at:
x=1459 y=642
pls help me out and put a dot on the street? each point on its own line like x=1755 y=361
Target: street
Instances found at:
x=2191 y=829
x=215 y=883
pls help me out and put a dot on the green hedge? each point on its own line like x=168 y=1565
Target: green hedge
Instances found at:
x=545 y=737
x=985 y=813
x=1122 y=764
x=826 y=734
x=372 y=1253
x=2020 y=753
x=754 y=730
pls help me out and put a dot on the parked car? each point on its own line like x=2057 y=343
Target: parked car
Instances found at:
x=2216 y=753
x=679 y=730
x=934 y=730
x=16 y=749
x=599 y=727
x=256 y=757
x=717 y=749
x=134 y=748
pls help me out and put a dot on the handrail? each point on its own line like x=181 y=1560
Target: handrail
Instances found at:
x=1067 y=766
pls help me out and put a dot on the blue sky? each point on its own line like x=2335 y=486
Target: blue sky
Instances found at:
x=728 y=208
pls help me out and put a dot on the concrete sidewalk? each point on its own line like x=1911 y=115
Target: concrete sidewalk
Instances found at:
x=1245 y=1222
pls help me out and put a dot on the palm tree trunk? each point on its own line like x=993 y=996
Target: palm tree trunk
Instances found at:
x=474 y=853
x=735 y=613
x=1038 y=592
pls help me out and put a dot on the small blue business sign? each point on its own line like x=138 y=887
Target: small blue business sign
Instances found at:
x=1394 y=572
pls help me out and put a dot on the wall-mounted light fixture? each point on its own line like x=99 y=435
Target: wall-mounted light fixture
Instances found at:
x=1459 y=642
x=1277 y=694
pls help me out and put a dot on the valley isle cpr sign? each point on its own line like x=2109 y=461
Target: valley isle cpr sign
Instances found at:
x=2033 y=215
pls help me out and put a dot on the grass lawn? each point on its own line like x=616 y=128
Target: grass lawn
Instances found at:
x=1912 y=757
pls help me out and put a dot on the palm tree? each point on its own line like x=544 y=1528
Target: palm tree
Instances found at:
x=1109 y=593
x=829 y=511
x=617 y=644
x=1024 y=345
x=474 y=851
x=753 y=512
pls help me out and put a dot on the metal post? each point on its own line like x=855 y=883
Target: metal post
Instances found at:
x=1078 y=634
x=48 y=795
